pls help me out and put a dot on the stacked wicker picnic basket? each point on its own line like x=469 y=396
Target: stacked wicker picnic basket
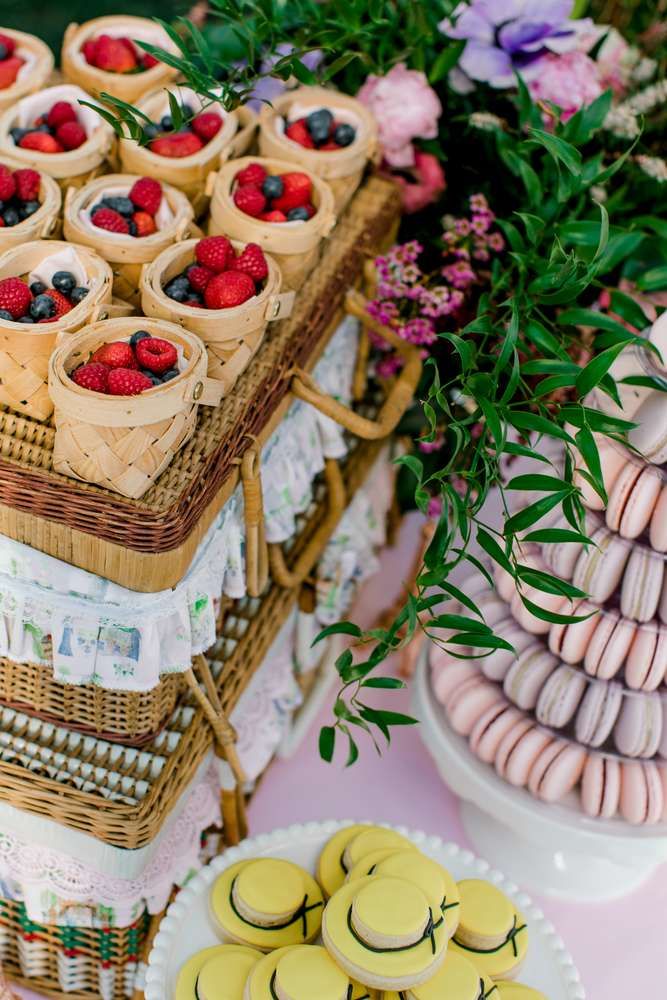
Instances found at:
x=167 y=559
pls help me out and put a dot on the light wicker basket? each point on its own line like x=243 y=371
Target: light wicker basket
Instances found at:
x=25 y=348
x=231 y=336
x=341 y=168
x=35 y=78
x=126 y=254
x=74 y=167
x=124 y=443
x=296 y=246
x=45 y=223
x=188 y=173
x=128 y=87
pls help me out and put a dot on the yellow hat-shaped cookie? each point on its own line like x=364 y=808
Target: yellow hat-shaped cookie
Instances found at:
x=217 y=973
x=492 y=933
x=302 y=972
x=434 y=880
x=384 y=932
x=267 y=903
x=456 y=979
x=517 y=991
x=338 y=856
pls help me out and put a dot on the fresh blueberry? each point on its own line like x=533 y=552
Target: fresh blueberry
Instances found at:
x=38 y=288
x=10 y=216
x=4 y=52
x=96 y=208
x=319 y=124
x=63 y=281
x=172 y=373
x=151 y=131
x=344 y=134
x=139 y=335
x=133 y=227
x=272 y=187
x=155 y=379
x=187 y=110
x=42 y=307
x=5 y=314
x=17 y=134
x=166 y=123
x=119 y=204
x=176 y=291
x=28 y=208
x=78 y=294
x=299 y=214
x=25 y=319
x=43 y=128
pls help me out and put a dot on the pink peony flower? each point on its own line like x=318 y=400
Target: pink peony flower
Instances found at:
x=405 y=108
x=570 y=81
x=429 y=183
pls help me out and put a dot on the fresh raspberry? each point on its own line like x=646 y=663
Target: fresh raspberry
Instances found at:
x=28 y=184
x=106 y=218
x=253 y=262
x=61 y=112
x=92 y=376
x=273 y=216
x=298 y=132
x=118 y=354
x=126 y=382
x=329 y=146
x=8 y=43
x=254 y=173
x=41 y=142
x=129 y=45
x=199 y=276
x=7 y=183
x=229 y=289
x=15 y=296
x=177 y=145
x=148 y=60
x=89 y=50
x=71 y=135
x=63 y=304
x=9 y=70
x=156 y=355
x=146 y=194
x=2 y=222
x=145 y=224
x=297 y=190
x=215 y=253
x=206 y=125
x=113 y=56
x=249 y=199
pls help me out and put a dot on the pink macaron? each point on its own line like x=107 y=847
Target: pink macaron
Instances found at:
x=447 y=675
x=638 y=730
x=642 y=797
x=600 y=567
x=553 y=603
x=633 y=499
x=514 y=763
x=490 y=605
x=612 y=460
x=658 y=337
x=646 y=662
x=510 y=740
x=560 y=697
x=662 y=773
x=649 y=437
x=528 y=674
x=556 y=770
x=570 y=641
x=491 y=728
x=497 y=663
x=467 y=703
x=561 y=557
x=601 y=786
x=642 y=584
x=658 y=528
x=597 y=713
x=609 y=645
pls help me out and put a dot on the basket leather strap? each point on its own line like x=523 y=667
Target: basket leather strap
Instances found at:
x=257 y=556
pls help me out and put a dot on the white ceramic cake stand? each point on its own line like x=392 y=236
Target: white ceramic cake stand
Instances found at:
x=188 y=927
x=555 y=850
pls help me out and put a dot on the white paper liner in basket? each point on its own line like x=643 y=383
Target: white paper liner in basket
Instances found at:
x=63 y=260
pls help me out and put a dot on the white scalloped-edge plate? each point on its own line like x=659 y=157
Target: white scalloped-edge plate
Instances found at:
x=187 y=927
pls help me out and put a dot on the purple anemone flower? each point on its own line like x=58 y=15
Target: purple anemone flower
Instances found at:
x=270 y=87
x=506 y=37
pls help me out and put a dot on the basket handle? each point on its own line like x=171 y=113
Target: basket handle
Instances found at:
x=48 y=228
x=336 y=494
x=209 y=702
x=306 y=388
x=182 y=231
x=211 y=391
x=70 y=30
x=256 y=551
x=279 y=306
x=209 y=184
x=69 y=195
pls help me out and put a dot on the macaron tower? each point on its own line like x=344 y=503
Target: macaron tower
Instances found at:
x=582 y=706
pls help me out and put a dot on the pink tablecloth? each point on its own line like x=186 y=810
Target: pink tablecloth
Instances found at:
x=619 y=947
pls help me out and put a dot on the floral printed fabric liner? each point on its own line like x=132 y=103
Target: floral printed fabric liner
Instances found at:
x=58 y=888
x=95 y=632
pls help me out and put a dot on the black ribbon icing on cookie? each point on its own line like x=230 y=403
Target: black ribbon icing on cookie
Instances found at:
x=482 y=994
x=510 y=939
x=274 y=995
x=429 y=933
x=300 y=914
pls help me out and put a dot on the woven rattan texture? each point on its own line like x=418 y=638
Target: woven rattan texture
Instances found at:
x=168 y=512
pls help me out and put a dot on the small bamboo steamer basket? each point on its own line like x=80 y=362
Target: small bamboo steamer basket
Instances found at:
x=294 y=246
x=25 y=348
x=72 y=168
x=38 y=75
x=124 y=442
x=128 y=87
x=342 y=168
x=126 y=254
x=188 y=173
x=45 y=222
x=231 y=336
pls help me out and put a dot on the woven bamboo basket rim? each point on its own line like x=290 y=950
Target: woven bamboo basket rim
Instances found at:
x=117 y=247
x=125 y=86
x=276 y=237
x=42 y=223
x=71 y=163
x=39 y=74
x=20 y=260
x=202 y=475
x=214 y=325
x=133 y=825
x=329 y=164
